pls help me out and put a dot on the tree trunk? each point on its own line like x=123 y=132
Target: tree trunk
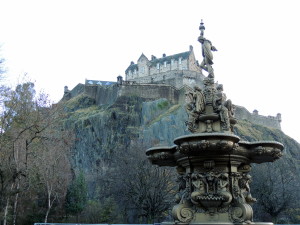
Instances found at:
x=6 y=211
x=15 y=208
x=6 y=207
x=46 y=216
x=49 y=205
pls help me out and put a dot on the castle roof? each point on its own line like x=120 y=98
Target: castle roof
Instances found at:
x=132 y=67
x=183 y=55
x=99 y=82
x=153 y=62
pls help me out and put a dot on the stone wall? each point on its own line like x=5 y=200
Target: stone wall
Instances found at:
x=150 y=91
x=267 y=121
x=106 y=95
x=78 y=89
x=103 y=95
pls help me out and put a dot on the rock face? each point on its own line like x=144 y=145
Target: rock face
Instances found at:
x=101 y=129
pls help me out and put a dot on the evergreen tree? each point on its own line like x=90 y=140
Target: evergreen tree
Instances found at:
x=76 y=198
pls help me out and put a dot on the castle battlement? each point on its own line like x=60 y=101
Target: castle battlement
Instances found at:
x=268 y=121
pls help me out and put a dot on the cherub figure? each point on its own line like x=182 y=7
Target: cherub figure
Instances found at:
x=195 y=105
x=244 y=184
x=220 y=104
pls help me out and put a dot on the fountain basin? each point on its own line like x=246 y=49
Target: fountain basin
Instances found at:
x=203 y=143
x=262 y=151
x=162 y=156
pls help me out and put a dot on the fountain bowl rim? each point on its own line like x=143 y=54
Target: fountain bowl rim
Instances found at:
x=178 y=140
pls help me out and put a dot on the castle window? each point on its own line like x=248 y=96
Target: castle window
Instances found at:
x=143 y=69
x=172 y=62
x=179 y=61
x=129 y=72
x=157 y=66
x=165 y=64
x=134 y=71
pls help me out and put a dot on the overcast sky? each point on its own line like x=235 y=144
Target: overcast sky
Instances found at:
x=64 y=42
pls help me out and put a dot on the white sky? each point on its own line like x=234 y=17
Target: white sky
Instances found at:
x=64 y=42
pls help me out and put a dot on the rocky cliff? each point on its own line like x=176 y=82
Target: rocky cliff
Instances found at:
x=101 y=129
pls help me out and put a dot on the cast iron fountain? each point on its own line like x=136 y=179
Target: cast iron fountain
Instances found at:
x=213 y=164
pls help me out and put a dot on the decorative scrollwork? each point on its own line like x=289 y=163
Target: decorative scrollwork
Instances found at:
x=183 y=213
x=241 y=213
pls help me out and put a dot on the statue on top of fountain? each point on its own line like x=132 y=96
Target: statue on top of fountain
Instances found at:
x=207 y=49
x=208 y=109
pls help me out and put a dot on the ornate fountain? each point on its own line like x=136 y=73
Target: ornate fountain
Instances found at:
x=212 y=163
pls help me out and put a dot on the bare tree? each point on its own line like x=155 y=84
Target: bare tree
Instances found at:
x=276 y=186
x=50 y=163
x=141 y=187
x=27 y=124
x=19 y=128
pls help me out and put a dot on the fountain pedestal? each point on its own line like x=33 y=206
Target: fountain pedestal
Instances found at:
x=213 y=176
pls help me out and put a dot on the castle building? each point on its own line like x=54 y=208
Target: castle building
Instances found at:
x=167 y=77
x=176 y=70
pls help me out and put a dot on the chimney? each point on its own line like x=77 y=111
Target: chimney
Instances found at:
x=191 y=48
x=131 y=63
x=153 y=57
x=164 y=55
